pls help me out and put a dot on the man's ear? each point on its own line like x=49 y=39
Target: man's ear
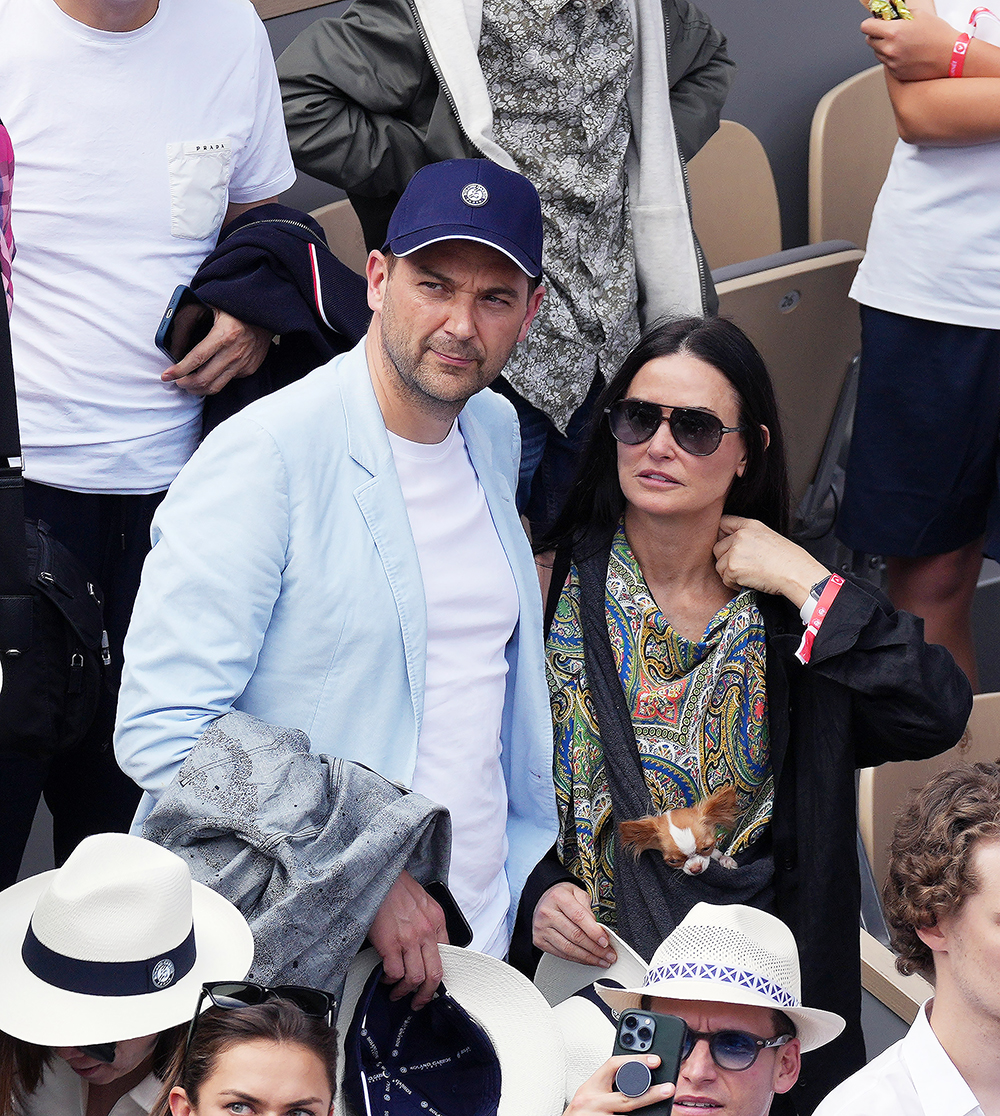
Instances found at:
x=787 y=1066
x=934 y=937
x=179 y=1103
x=534 y=301
x=377 y=274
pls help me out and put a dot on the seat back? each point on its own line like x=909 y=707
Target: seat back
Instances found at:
x=851 y=143
x=343 y=234
x=883 y=790
x=734 y=204
x=807 y=330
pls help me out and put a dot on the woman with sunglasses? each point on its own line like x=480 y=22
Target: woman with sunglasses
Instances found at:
x=259 y=1051
x=679 y=665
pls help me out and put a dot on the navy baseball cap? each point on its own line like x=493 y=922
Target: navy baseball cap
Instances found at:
x=470 y=199
x=434 y=1062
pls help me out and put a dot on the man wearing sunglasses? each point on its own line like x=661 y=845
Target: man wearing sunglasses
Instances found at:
x=731 y=973
x=345 y=558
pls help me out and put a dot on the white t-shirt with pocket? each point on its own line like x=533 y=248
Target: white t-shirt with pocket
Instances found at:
x=129 y=147
x=934 y=245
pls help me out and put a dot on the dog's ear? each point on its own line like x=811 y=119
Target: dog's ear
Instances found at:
x=640 y=835
x=721 y=808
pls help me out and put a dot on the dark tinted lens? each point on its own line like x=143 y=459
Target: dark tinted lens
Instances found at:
x=310 y=1000
x=633 y=422
x=102 y=1051
x=235 y=995
x=733 y=1050
x=695 y=431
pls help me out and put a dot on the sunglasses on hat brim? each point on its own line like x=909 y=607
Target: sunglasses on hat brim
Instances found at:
x=732 y=1050
x=634 y=421
x=234 y=994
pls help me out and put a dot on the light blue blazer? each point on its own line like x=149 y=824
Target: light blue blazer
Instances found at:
x=284 y=582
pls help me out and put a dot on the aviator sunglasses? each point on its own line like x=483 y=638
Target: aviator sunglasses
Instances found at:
x=634 y=421
x=732 y=1050
x=233 y=994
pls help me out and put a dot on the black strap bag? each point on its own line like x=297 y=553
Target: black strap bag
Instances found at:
x=53 y=647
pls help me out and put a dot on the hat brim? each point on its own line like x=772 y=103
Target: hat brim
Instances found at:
x=509 y=1009
x=813 y=1026
x=558 y=979
x=588 y=1036
x=412 y=241
x=41 y=1013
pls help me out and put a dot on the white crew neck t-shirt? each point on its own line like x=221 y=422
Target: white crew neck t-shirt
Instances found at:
x=472 y=610
x=934 y=244
x=128 y=146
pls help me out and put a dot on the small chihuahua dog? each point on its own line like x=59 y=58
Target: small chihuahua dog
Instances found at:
x=686 y=837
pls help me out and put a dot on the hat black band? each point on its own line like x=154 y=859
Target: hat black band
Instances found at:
x=108 y=978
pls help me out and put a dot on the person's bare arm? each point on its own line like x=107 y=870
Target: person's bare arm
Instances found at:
x=920 y=49
x=946 y=112
x=232 y=348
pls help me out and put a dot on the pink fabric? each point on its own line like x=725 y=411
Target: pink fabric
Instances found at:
x=6 y=233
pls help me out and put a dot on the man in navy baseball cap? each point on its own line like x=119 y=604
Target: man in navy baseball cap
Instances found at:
x=368 y=512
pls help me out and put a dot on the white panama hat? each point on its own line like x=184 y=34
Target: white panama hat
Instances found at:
x=731 y=954
x=114 y=945
x=507 y=1006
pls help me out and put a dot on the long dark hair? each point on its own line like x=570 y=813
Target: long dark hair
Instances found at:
x=219 y=1030
x=22 y=1065
x=595 y=503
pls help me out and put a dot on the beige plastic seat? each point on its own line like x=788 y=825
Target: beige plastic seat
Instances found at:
x=734 y=204
x=851 y=143
x=883 y=790
x=796 y=311
x=343 y=233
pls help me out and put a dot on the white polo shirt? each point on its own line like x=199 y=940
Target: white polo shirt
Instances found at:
x=914 y=1077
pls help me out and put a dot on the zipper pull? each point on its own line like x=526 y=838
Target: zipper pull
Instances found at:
x=105 y=649
x=75 y=673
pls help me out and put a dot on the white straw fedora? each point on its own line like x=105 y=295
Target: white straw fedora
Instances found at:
x=731 y=954
x=557 y=979
x=506 y=1005
x=113 y=945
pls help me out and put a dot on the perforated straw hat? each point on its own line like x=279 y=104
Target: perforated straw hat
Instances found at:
x=732 y=954
x=113 y=945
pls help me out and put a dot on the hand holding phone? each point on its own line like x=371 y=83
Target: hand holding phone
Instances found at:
x=649 y=1032
x=186 y=321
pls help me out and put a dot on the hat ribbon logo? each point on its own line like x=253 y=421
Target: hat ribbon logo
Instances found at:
x=475 y=195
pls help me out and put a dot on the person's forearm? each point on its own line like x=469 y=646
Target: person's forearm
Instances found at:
x=946 y=112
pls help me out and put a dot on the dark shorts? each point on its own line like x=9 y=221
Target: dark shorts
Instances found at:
x=922 y=470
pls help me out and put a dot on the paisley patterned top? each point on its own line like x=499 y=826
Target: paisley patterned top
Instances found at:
x=6 y=234
x=557 y=72
x=699 y=712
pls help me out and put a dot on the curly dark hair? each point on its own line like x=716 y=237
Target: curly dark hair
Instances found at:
x=931 y=871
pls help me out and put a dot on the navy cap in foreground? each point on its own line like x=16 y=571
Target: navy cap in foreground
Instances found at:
x=470 y=199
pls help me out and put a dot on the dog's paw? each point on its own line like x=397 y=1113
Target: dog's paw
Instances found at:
x=727 y=862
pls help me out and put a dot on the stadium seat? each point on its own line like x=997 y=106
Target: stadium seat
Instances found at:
x=851 y=143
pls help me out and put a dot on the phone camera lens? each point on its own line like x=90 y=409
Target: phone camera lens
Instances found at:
x=644 y=1034
x=631 y=1022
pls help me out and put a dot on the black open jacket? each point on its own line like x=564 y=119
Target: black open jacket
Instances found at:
x=873 y=691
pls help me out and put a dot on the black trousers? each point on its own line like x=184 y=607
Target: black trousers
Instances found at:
x=83 y=787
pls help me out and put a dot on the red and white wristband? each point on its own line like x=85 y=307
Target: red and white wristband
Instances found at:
x=961 y=47
x=814 y=611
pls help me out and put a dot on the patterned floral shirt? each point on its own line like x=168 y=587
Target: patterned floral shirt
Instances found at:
x=699 y=711
x=6 y=233
x=557 y=72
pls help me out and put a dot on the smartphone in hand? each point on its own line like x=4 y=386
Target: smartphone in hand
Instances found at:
x=186 y=321
x=649 y=1032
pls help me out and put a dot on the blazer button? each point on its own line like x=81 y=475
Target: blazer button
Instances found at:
x=788 y=863
x=779 y=631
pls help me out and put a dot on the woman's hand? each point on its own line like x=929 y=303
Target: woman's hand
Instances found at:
x=917 y=49
x=598 y=1095
x=749 y=555
x=564 y=926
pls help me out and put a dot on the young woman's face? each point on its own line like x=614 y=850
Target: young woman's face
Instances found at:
x=658 y=477
x=129 y=1055
x=260 y=1078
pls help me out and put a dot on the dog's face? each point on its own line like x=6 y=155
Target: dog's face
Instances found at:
x=685 y=838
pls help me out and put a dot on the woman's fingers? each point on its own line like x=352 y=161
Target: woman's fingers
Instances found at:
x=564 y=925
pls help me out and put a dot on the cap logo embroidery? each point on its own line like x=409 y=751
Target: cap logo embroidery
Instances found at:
x=163 y=973
x=475 y=195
